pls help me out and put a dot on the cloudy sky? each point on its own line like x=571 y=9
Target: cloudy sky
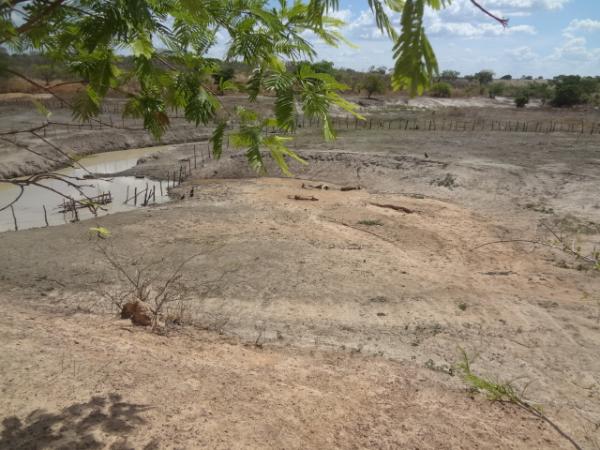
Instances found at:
x=544 y=37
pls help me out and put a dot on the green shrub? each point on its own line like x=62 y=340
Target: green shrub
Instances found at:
x=441 y=90
x=484 y=77
x=374 y=83
x=521 y=100
x=495 y=89
x=572 y=90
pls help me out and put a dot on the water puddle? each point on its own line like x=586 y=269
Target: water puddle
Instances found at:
x=29 y=210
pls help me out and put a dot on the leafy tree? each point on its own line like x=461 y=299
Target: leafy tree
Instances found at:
x=495 y=89
x=570 y=90
x=381 y=70
x=374 y=84
x=324 y=67
x=222 y=77
x=47 y=72
x=506 y=77
x=87 y=36
x=543 y=91
x=441 y=90
x=484 y=77
x=449 y=75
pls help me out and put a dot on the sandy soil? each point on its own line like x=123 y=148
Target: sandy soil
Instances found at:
x=110 y=386
x=327 y=323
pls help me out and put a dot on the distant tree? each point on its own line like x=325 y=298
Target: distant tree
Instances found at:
x=374 y=84
x=568 y=90
x=540 y=77
x=526 y=77
x=484 y=77
x=46 y=72
x=495 y=89
x=441 y=90
x=543 y=91
x=449 y=75
x=224 y=74
x=381 y=70
x=506 y=77
x=323 y=67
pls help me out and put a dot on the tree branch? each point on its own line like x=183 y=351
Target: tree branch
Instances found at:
x=33 y=21
x=502 y=21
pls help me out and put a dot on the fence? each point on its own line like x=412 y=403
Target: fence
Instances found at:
x=340 y=123
x=532 y=126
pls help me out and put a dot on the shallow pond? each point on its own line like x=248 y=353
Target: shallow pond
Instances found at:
x=29 y=210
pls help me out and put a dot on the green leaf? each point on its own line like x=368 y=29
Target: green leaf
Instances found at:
x=142 y=47
x=415 y=62
x=86 y=104
x=217 y=139
x=101 y=232
x=41 y=108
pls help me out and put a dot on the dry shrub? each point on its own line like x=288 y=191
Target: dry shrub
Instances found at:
x=159 y=285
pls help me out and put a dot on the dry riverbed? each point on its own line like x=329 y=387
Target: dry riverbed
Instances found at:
x=333 y=322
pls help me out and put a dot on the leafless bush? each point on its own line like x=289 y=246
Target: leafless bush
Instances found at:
x=164 y=292
x=570 y=247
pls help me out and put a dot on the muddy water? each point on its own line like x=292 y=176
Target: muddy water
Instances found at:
x=29 y=210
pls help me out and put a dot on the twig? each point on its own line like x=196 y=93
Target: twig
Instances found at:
x=362 y=230
x=394 y=207
x=59 y=150
x=27 y=148
x=28 y=130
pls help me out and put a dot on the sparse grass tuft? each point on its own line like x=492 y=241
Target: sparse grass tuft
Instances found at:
x=496 y=391
x=505 y=392
x=449 y=181
x=462 y=306
x=371 y=222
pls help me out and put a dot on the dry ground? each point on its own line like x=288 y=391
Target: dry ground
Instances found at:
x=357 y=325
x=108 y=386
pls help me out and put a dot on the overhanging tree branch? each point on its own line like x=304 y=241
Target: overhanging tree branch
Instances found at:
x=502 y=21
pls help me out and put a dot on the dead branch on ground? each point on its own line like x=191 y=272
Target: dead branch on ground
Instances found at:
x=394 y=207
x=302 y=198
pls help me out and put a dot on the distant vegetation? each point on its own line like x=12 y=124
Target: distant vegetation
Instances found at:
x=561 y=91
x=441 y=89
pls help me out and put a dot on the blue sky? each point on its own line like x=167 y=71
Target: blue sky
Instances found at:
x=544 y=37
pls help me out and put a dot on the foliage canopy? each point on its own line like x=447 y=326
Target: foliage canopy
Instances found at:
x=170 y=41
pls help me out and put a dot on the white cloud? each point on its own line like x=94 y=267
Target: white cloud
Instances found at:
x=522 y=54
x=343 y=14
x=471 y=30
x=528 y=4
x=583 y=25
x=575 y=49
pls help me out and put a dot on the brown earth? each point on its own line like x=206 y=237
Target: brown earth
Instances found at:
x=329 y=323
x=83 y=381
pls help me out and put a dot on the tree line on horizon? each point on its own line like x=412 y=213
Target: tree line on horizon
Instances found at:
x=560 y=91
